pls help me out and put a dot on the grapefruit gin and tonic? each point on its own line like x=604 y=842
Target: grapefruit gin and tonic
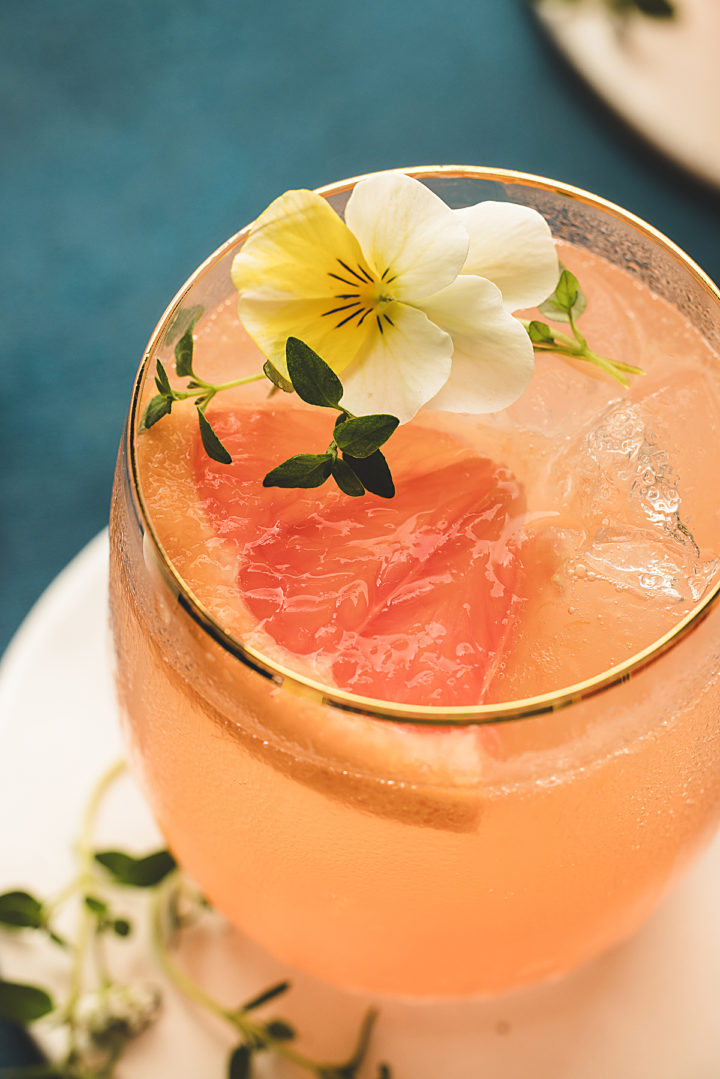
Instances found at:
x=461 y=739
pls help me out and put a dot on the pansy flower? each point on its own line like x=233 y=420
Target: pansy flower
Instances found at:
x=408 y=300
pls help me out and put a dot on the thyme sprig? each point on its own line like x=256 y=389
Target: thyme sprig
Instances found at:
x=566 y=304
x=353 y=457
x=197 y=389
x=101 y=1016
x=256 y=1037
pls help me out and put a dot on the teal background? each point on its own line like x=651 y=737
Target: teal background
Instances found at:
x=137 y=136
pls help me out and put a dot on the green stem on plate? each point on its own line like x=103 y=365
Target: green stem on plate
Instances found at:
x=255 y=1034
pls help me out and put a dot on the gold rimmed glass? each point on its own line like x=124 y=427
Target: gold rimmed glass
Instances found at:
x=369 y=852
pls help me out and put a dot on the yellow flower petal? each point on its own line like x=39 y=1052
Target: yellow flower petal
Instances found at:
x=293 y=250
x=400 y=369
x=300 y=273
x=270 y=323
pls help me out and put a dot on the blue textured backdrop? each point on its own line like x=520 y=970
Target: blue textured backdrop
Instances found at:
x=137 y=136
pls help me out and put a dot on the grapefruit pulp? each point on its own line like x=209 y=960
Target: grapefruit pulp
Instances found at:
x=409 y=599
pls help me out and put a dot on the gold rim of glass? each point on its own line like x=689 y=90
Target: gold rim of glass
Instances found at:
x=322 y=694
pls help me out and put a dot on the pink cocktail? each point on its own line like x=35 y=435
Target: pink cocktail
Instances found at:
x=463 y=740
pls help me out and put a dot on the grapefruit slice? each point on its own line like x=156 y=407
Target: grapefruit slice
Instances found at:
x=410 y=599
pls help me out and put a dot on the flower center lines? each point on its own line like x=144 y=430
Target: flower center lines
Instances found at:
x=370 y=296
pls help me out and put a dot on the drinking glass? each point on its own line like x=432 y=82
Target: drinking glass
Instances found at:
x=373 y=843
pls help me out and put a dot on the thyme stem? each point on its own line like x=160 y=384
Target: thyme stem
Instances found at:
x=85 y=845
x=256 y=1034
x=213 y=388
x=85 y=935
x=577 y=349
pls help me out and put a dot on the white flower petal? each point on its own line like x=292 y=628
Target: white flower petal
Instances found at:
x=400 y=370
x=408 y=234
x=493 y=359
x=512 y=246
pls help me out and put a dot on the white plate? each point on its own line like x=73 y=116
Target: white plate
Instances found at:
x=661 y=75
x=647 y=1011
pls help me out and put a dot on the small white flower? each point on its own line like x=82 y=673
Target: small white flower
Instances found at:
x=118 y=1011
x=408 y=300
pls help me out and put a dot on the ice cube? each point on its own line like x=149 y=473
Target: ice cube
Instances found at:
x=640 y=561
x=621 y=477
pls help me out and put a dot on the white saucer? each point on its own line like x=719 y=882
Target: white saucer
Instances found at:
x=660 y=75
x=647 y=1011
